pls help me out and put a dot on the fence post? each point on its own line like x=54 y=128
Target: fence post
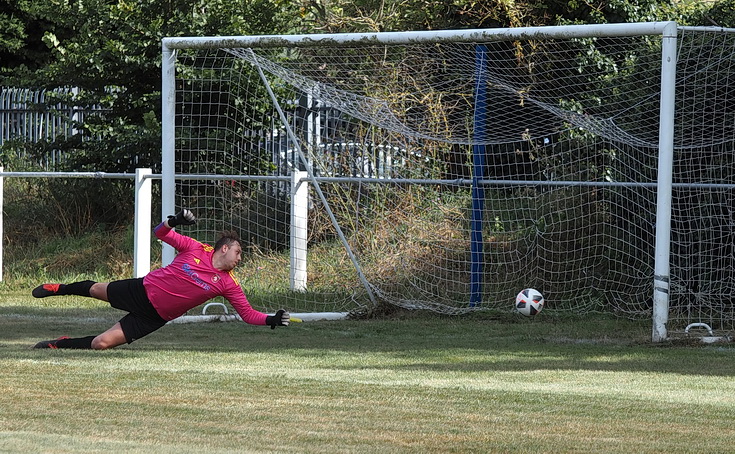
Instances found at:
x=2 y=220
x=142 y=234
x=299 y=229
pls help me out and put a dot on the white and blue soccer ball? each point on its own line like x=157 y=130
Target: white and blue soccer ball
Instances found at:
x=529 y=302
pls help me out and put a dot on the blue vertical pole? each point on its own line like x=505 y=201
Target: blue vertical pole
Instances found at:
x=478 y=174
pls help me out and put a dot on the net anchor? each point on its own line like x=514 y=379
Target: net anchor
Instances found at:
x=707 y=339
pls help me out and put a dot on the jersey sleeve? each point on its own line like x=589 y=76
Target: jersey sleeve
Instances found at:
x=239 y=301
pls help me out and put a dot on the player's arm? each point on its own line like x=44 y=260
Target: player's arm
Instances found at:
x=249 y=315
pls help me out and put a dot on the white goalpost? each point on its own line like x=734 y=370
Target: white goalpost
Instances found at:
x=447 y=170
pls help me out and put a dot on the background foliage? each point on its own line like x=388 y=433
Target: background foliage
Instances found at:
x=111 y=51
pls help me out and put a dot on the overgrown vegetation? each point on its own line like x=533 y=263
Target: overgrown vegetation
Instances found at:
x=100 y=255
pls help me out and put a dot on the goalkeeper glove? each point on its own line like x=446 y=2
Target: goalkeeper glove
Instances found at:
x=183 y=217
x=282 y=318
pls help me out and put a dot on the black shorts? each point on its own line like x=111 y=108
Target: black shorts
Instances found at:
x=129 y=295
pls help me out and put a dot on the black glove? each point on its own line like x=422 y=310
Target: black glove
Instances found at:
x=282 y=318
x=183 y=217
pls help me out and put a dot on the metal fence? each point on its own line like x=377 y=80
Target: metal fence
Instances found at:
x=29 y=115
x=26 y=115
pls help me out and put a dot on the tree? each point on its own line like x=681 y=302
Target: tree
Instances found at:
x=720 y=14
x=381 y=15
x=111 y=53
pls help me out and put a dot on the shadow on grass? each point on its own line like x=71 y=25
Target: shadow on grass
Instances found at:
x=417 y=343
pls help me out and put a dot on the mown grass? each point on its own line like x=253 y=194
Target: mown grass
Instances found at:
x=410 y=383
x=406 y=382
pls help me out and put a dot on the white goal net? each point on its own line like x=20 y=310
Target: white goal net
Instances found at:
x=448 y=172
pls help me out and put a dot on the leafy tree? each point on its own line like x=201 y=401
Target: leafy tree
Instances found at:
x=110 y=51
x=381 y=15
x=21 y=48
x=720 y=14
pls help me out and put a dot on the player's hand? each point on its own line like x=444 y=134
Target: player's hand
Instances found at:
x=183 y=217
x=282 y=318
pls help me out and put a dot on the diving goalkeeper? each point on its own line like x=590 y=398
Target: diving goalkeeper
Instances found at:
x=199 y=273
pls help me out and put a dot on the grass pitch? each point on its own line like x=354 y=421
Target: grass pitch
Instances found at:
x=414 y=383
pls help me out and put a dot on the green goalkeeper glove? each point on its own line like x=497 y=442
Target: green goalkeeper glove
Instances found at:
x=183 y=217
x=282 y=318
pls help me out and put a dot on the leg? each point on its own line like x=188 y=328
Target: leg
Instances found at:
x=110 y=338
x=99 y=291
x=127 y=295
x=82 y=288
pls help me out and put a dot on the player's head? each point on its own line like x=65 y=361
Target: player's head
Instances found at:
x=227 y=251
x=228 y=238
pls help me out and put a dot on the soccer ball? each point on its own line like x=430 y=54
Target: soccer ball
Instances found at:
x=529 y=302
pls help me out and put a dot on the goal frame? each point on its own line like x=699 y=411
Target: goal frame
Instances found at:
x=667 y=30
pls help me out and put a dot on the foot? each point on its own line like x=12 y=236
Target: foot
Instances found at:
x=42 y=291
x=49 y=343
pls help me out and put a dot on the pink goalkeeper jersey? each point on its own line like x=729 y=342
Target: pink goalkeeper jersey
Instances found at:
x=191 y=280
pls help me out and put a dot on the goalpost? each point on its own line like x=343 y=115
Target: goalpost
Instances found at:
x=447 y=170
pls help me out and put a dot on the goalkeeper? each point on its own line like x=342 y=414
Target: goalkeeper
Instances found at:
x=199 y=273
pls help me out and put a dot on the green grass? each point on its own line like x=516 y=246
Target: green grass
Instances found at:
x=412 y=383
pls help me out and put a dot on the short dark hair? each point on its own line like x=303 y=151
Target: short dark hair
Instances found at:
x=226 y=238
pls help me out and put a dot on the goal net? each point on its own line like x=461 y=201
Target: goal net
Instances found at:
x=449 y=170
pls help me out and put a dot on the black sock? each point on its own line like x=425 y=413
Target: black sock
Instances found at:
x=78 y=342
x=77 y=288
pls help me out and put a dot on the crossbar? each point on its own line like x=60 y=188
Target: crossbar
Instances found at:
x=473 y=35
